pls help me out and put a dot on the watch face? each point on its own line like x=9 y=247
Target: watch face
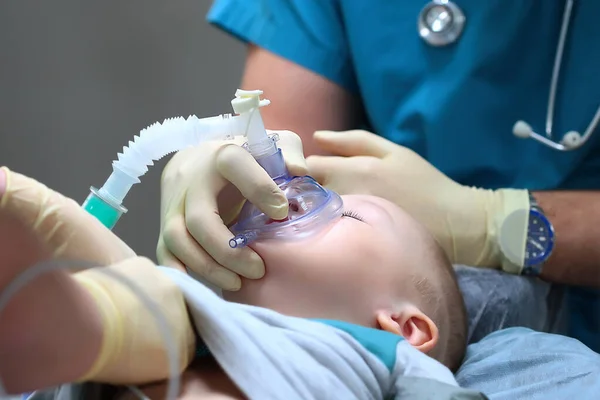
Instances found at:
x=540 y=239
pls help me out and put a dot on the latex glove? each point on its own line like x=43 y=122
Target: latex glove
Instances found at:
x=464 y=220
x=38 y=224
x=66 y=230
x=203 y=189
x=134 y=350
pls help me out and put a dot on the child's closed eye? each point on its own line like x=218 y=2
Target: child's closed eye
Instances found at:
x=352 y=214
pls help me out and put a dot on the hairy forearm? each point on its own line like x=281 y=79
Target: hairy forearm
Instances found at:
x=49 y=334
x=575 y=216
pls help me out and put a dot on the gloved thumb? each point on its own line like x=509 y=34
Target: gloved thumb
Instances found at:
x=353 y=143
x=237 y=166
x=65 y=228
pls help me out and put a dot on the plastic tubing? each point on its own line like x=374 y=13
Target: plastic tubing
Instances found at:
x=30 y=274
x=153 y=143
x=175 y=134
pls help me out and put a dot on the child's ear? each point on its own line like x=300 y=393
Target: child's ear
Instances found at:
x=412 y=324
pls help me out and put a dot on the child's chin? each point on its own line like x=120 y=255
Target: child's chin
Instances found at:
x=266 y=292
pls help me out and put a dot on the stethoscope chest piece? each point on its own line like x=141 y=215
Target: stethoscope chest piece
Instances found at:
x=441 y=22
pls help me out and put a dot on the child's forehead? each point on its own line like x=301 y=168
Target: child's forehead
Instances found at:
x=389 y=223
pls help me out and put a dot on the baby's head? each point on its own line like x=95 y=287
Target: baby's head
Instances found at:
x=376 y=267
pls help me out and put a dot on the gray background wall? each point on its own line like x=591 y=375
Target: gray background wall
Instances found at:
x=78 y=79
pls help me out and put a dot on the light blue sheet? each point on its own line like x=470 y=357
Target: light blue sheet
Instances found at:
x=521 y=364
x=508 y=361
x=496 y=300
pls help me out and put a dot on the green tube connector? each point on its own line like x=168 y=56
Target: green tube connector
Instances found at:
x=107 y=212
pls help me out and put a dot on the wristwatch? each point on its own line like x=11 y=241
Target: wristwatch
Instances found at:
x=526 y=240
x=540 y=239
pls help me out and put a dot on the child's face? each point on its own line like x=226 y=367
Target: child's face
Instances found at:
x=357 y=266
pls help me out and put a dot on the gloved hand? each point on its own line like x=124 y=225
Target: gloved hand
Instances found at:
x=134 y=350
x=203 y=189
x=464 y=220
x=57 y=221
x=38 y=224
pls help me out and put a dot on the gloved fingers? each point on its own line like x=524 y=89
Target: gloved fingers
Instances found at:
x=65 y=228
x=293 y=153
x=201 y=263
x=20 y=248
x=207 y=228
x=238 y=166
x=322 y=168
x=184 y=163
x=230 y=202
x=165 y=257
x=353 y=143
x=195 y=239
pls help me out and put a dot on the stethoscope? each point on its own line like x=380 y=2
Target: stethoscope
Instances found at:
x=441 y=22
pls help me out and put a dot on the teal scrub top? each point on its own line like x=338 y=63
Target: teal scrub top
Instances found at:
x=454 y=105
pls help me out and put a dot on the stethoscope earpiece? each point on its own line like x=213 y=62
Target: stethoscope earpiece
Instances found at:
x=522 y=130
x=441 y=22
x=571 y=139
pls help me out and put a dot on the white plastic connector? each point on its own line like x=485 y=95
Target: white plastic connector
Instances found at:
x=247 y=101
x=117 y=186
x=247 y=104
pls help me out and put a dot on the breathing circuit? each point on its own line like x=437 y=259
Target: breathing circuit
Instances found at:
x=311 y=206
x=174 y=134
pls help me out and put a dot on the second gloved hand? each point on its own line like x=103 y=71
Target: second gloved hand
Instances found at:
x=203 y=189
x=465 y=220
x=133 y=349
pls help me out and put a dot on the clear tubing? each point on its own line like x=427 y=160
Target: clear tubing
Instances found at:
x=175 y=134
x=273 y=161
x=31 y=273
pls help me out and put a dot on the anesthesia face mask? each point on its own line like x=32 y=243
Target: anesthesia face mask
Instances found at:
x=311 y=209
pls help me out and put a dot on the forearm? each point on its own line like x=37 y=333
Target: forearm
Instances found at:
x=576 y=220
x=50 y=334
x=301 y=100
